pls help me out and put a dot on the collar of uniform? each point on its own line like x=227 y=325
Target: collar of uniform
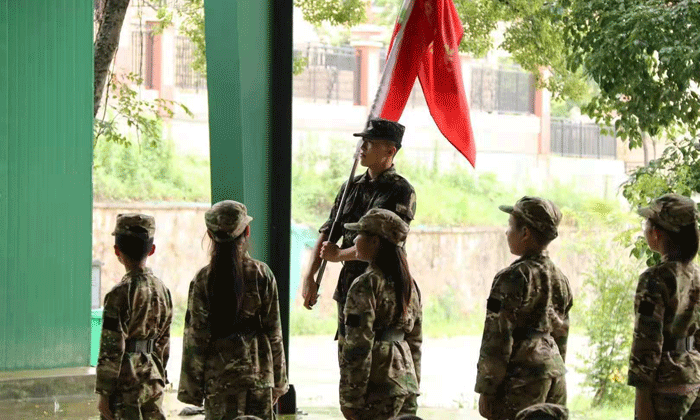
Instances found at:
x=140 y=270
x=365 y=178
x=539 y=255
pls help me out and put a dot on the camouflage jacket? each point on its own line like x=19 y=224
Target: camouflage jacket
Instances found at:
x=667 y=307
x=137 y=308
x=371 y=369
x=388 y=191
x=253 y=358
x=527 y=324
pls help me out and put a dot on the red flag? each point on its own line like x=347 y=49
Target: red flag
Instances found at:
x=440 y=76
x=413 y=34
x=426 y=43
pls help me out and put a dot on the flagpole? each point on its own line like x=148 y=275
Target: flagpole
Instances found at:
x=339 y=211
x=406 y=8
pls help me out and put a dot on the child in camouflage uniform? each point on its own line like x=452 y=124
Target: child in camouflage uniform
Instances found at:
x=380 y=358
x=233 y=357
x=135 y=341
x=665 y=363
x=521 y=362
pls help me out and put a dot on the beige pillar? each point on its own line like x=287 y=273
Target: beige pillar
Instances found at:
x=365 y=40
x=543 y=110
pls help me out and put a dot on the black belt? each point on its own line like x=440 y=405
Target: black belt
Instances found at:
x=393 y=334
x=523 y=333
x=140 y=346
x=242 y=328
x=678 y=344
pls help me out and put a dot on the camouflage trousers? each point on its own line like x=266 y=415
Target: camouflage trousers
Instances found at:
x=518 y=393
x=384 y=409
x=128 y=407
x=676 y=407
x=256 y=402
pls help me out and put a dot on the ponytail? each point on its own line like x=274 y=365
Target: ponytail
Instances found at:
x=391 y=260
x=226 y=280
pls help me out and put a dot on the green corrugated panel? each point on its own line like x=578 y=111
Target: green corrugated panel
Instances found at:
x=223 y=89
x=4 y=176
x=48 y=156
x=256 y=76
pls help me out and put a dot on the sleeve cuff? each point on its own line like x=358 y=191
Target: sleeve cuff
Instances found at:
x=490 y=388
x=639 y=381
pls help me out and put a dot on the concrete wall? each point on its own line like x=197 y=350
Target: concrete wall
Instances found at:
x=442 y=260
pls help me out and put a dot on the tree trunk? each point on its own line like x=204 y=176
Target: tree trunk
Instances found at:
x=106 y=42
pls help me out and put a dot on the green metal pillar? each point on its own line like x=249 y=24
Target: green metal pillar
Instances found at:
x=46 y=79
x=249 y=81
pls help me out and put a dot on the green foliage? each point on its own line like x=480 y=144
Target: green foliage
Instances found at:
x=149 y=172
x=641 y=54
x=316 y=177
x=444 y=315
x=605 y=307
x=192 y=14
x=336 y=12
x=305 y=322
x=455 y=197
x=299 y=65
x=608 y=320
x=677 y=170
x=130 y=111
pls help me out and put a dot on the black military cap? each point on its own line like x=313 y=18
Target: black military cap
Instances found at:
x=381 y=129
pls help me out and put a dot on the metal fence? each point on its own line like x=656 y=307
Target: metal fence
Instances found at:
x=493 y=89
x=573 y=138
x=331 y=74
x=185 y=76
x=502 y=90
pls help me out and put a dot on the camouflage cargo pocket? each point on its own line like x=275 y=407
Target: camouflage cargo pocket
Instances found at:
x=391 y=370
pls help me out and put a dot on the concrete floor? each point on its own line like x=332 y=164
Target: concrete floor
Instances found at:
x=449 y=370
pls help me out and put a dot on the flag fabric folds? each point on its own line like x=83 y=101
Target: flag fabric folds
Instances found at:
x=425 y=44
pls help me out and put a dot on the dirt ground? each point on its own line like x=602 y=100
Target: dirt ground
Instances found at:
x=449 y=369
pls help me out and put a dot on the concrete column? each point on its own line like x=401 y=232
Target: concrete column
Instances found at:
x=167 y=74
x=367 y=46
x=156 y=57
x=543 y=111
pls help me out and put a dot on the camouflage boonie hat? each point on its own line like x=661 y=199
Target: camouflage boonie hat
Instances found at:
x=671 y=212
x=381 y=129
x=543 y=411
x=226 y=220
x=382 y=222
x=135 y=224
x=539 y=213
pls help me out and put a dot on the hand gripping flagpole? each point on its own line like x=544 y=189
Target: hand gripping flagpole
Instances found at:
x=336 y=222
